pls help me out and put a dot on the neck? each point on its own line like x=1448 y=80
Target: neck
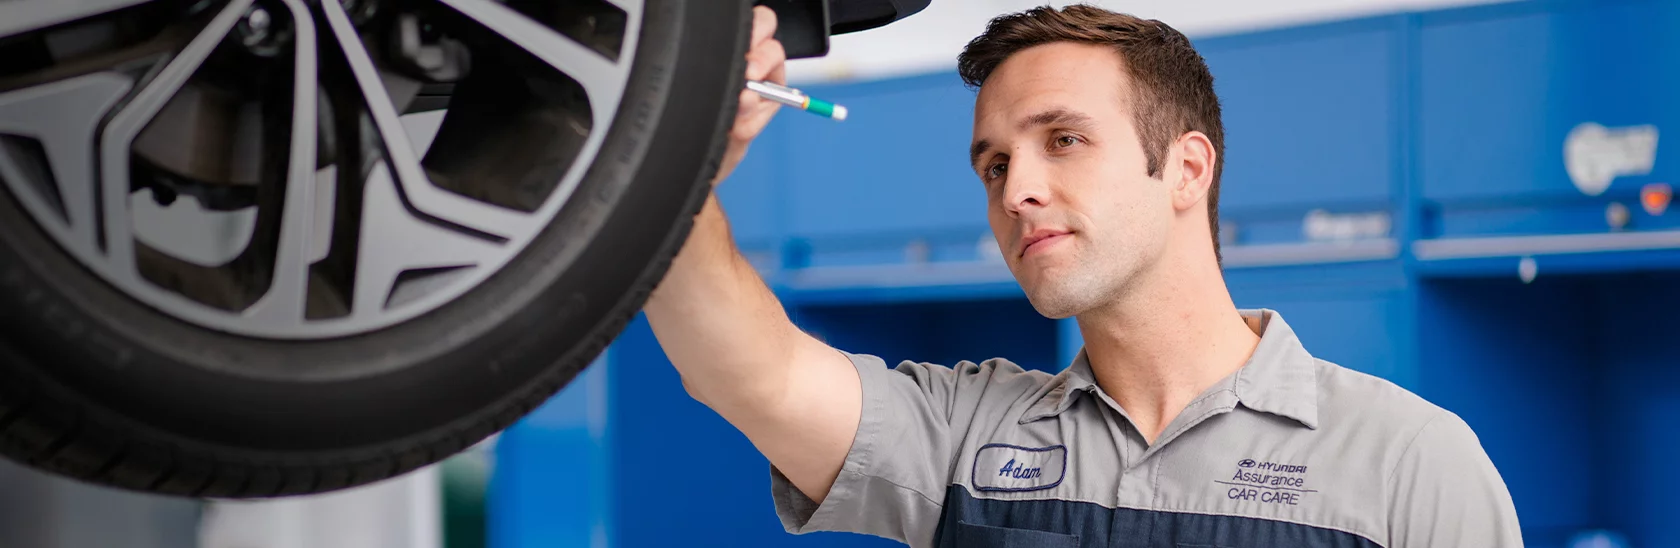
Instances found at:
x=1165 y=341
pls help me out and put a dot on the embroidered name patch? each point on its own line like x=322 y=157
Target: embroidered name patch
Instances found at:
x=1003 y=467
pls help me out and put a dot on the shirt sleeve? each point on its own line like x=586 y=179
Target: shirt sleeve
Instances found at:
x=1447 y=492
x=893 y=481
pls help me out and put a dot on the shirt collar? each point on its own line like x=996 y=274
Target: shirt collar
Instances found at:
x=1280 y=377
x=1062 y=390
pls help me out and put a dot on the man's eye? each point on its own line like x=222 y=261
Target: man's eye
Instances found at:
x=997 y=170
x=1066 y=141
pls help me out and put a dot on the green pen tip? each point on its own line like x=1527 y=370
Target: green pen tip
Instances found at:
x=828 y=109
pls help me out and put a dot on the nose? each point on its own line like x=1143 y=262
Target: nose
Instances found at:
x=1027 y=185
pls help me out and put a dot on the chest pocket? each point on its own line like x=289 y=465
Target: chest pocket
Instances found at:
x=969 y=535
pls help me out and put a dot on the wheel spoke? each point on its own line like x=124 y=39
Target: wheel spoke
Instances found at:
x=416 y=189
x=64 y=117
x=179 y=165
x=121 y=131
x=631 y=7
x=18 y=16
x=393 y=242
x=602 y=79
x=287 y=295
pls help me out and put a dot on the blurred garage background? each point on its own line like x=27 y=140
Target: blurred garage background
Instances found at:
x=1467 y=198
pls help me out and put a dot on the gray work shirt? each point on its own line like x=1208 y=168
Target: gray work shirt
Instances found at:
x=1287 y=451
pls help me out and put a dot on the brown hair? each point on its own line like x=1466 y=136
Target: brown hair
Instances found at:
x=1172 y=87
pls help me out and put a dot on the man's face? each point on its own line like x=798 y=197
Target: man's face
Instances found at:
x=1068 y=194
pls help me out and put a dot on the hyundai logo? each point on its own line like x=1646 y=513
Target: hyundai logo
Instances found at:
x=1246 y=463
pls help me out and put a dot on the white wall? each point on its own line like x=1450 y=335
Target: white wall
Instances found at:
x=930 y=41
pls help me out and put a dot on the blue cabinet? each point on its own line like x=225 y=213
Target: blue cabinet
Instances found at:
x=893 y=174
x=1637 y=405
x=1570 y=384
x=1538 y=126
x=1310 y=118
x=1533 y=117
x=554 y=477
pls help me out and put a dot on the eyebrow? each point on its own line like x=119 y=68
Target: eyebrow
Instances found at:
x=1054 y=116
x=974 y=152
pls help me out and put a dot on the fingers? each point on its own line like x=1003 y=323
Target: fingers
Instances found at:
x=778 y=73
x=752 y=119
x=751 y=105
x=767 y=60
x=764 y=25
x=755 y=112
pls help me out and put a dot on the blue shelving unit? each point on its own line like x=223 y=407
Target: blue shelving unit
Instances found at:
x=1387 y=180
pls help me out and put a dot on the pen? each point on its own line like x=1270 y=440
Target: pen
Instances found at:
x=797 y=99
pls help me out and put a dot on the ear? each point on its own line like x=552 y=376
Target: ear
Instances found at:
x=1194 y=154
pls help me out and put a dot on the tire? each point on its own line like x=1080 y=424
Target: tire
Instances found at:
x=100 y=386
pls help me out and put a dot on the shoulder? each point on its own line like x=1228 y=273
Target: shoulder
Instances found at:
x=1440 y=486
x=1386 y=415
x=1347 y=395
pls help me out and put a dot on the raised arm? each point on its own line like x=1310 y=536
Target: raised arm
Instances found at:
x=795 y=398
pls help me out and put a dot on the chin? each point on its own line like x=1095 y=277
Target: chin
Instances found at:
x=1055 y=313
x=1058 y=302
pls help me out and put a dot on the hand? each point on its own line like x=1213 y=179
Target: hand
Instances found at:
x=767 y=61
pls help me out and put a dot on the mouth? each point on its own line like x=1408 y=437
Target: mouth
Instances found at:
x=1041 y=240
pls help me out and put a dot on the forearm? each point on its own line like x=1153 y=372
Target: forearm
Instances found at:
x=796 y=398
x=719 y=324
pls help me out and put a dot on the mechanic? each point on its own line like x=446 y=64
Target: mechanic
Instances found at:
x=1182 y=422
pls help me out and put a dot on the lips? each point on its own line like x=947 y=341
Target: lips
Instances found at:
x=1040 y=238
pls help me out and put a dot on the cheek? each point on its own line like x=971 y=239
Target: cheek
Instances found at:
x=1132 y=207
x=1147 y=203
x=1109 y=188
x=994 y=210
x=1001 y=225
